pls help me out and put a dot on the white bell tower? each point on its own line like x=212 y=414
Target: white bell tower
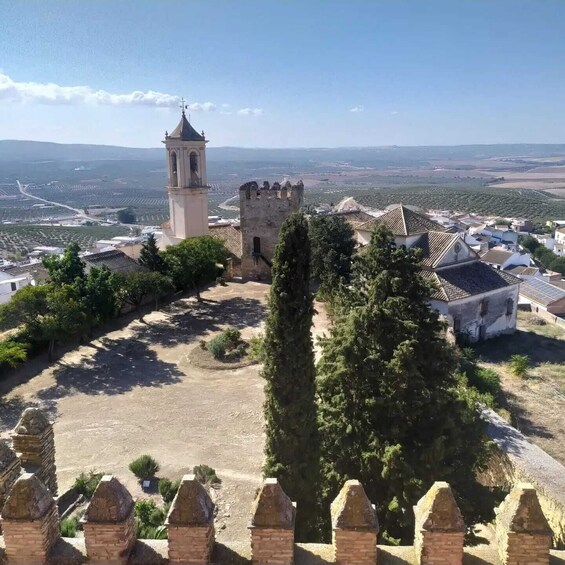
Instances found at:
x=187 y=188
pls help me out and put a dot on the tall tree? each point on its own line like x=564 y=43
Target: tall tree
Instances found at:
x=291 y=447
x=126 y=216
x=67 y=268
x=332 y=250
x=136 y=287
x=392 y=413
x=100 y=295
x=150 y=256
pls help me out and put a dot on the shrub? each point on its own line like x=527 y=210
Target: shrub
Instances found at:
x=217 y=347
x=486 y=380
x=86 y=484
x=232 y=337
x=168 y=489
x=206 y=475
x=144 y=467
x=150 y=520
x=257 y=348
x=69 y=527
x=203 y=344
x=519 y=365
x=12 y=353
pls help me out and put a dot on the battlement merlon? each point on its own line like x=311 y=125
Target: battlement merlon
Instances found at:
x=289 y=191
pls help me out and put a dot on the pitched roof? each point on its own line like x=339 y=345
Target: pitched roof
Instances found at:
x=355 y=217
x=468 y=280
x=497 y=256
x=435 y=244
x=403 y=221
x=36 y=270
x=185 y=132
x=518 y=270
x=231 y=237
x=541 y=292
x=114 y=260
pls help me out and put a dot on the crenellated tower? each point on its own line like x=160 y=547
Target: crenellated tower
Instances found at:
x=262 y=211
x=187 y=188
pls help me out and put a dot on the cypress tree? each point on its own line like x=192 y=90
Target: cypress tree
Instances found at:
x=392 y=411
x=291 y=449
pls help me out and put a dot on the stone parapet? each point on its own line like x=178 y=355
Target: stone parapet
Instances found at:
x=272 y=526
x=109 y=523
x=354 y=526
x=34 y=443
x=522 y=532
x=190 y=524
x=30 y=522
x=440 y=530
x=10 y=469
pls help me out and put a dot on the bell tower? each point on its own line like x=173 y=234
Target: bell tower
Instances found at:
x=187 y=188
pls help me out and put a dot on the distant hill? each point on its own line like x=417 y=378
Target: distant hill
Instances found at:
x=29 y=151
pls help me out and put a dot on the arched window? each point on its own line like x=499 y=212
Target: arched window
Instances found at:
x=174 y=170
x=194 y=173
x=256 y=246
x=509 y=307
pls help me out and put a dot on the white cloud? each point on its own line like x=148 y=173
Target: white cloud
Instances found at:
x=51 y=93
x=356 y=109
x=394 y=112
x=251 y=112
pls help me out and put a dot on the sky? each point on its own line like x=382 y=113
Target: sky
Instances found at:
x=266 y=73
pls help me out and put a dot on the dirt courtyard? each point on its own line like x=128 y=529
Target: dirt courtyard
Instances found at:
x=133 y=392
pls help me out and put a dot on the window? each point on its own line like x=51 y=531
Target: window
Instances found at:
x=509 y=307
x=456 y=325
x=484 y=307
x=14 y=287
x=257 y=246
x=194 y=176
x=174 y=174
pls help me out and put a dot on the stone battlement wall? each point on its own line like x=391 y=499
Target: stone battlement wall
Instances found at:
x=276 y=191
x=31 y=535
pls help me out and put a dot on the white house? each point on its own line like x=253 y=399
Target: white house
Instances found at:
x=478 y=301
x=544 y=298
x=501 y=258
x=560 y=236
x=10 y=284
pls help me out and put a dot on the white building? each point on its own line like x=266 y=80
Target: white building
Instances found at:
x=10 y=284
x=478 y=301
x=501 y=258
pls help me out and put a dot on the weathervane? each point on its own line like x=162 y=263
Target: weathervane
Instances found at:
x=183 y=106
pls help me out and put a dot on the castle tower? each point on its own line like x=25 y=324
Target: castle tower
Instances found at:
x=263 y=211
x=187 y=188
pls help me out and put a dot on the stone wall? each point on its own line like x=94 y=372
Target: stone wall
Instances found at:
x=31 y=530
x=262 y=212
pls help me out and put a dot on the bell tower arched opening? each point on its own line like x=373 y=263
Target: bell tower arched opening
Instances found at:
x=174 y=169
x=194 y=169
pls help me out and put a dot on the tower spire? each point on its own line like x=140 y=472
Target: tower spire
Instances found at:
x=183 y=106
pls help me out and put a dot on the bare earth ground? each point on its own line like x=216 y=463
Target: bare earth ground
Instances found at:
x=537 y=401
x=133 y=392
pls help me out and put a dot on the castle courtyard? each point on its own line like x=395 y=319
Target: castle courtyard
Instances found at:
x=132 y=391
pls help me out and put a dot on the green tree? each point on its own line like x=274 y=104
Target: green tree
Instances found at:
x=67 y=268
x=392 y=413
x=544 y=256
x=26 y=307
x=558 y=264
x=194 y=262
x=12 y=353
x=291 y=447
x=100 y=295
x=530 y=243
x=150 y=256
x=126 y=216
x=332 y=244
x=136 y=287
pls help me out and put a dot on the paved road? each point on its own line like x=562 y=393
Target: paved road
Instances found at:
x=79 y=213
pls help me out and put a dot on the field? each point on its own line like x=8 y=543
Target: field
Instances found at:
x=19 y=239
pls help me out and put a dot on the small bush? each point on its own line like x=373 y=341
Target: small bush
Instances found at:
x=519 y=365
x=86 y=484
x=257 y=348
x=144 y=467
x=12 y=353
x=203 y=344
x=217 y=347
x=150 y=520
x=69 y=527
x=168 y=489
x=232 y=337
x=206 y=475
x=486 y=380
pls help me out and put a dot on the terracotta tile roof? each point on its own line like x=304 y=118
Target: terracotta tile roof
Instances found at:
x=471 y=279
x=114 y=260
x=522 y=270
x=435 y=244
x=403 y=221
x=496 y=256
x=230 y=235
x=36 y=270
x=355 y=217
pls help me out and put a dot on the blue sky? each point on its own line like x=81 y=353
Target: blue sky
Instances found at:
x=262 y=73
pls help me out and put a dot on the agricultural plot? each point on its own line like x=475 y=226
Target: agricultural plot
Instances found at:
x=18 y=240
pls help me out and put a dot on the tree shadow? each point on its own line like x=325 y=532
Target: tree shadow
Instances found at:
x=11 y=411
x=521 y=418
x=115 y=367
x=539 y=348
x=184 y=324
